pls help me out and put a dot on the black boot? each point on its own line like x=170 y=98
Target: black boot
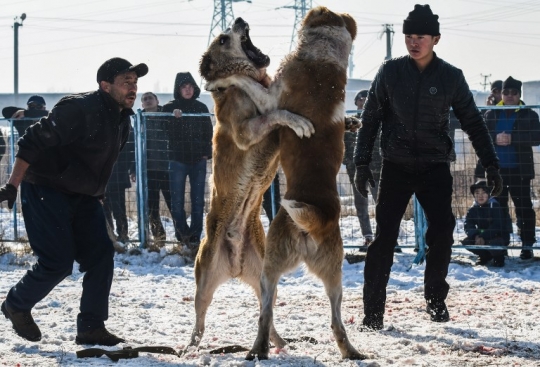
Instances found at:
x=99 y=336
x=437 y=311
x=23 y=323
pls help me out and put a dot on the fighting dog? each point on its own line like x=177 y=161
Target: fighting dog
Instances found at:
x=244 y=162
x=310 y=82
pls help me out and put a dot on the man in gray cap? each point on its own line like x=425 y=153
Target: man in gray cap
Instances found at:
x=62 y=166
x=410 y=99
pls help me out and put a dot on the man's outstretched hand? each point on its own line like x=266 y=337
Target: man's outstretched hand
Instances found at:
x=494 y=179
x=8 y=192
x=362 y=177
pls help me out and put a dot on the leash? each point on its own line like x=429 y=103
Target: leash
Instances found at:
x=124 y=353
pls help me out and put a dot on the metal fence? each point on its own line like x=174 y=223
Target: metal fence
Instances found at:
x=147 y=160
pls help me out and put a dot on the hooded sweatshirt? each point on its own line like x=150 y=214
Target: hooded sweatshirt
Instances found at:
x=190 y=137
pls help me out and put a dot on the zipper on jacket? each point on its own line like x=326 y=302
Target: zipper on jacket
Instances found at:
x=415 y=124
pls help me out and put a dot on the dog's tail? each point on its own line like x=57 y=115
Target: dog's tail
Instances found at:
x=307 y=217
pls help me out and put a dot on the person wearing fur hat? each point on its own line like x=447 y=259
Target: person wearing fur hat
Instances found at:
x=486 y=224
x=410 y=99
x=515 y=131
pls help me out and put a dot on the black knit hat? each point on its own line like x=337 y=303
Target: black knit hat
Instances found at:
x=497 y=84
x=361 y=94
x=480 y=185
x=117 y=65
x=421 y=21
x=511 y=83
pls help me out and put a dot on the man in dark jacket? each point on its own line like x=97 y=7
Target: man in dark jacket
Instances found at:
x=190 y=143
x=410 y=98
x=22 y=119
x=63 y=165
x=515 y=132
x=157 y=161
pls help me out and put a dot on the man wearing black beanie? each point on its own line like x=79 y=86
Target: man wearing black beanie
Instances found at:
x=410 y=100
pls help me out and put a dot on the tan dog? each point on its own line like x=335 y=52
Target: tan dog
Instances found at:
x=245 y=159
x=311 y=82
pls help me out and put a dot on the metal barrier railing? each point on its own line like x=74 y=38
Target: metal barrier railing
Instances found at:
x=141 y=190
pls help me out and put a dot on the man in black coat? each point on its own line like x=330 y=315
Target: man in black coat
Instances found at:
x=410 y=99
x=62 y=166
x=190 y=144
x=515 y=132
x=22 y=119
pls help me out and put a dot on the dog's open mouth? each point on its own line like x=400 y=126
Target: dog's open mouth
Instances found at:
x=253 y=53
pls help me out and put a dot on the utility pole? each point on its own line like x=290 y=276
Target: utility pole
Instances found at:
x=301 y=7
x=389 y=30
x=16 y=26
x=223 y=17
x=485 y=83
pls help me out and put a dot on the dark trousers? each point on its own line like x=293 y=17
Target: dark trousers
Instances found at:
x=433 y=189
x=157 y=181
x=114 y=204
x=361 y=203
x=497 y=241
x=269 y=204
x=179 y=172
x=61 y=229
x=520 y=191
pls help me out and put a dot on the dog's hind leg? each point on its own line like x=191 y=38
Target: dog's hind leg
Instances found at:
x=252 y=276
x=208 y=277
x=326 y=264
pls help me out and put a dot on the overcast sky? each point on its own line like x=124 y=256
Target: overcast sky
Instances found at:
x=63 y=42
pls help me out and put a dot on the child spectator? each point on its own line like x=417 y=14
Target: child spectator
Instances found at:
x=486 y=224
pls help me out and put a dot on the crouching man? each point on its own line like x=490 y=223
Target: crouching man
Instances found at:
x=63 y=165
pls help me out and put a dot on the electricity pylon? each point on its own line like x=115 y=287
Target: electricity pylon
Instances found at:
x=223 y=17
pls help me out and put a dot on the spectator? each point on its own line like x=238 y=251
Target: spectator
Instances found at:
x=515 y=132
x=36 y=109
x=486 y=224
x=267 y=199
x=114 y=202
x=63 y=165
x=410 y=99
x=157 y=162
x=361 y=204
x=495 y=97
x=190 y=143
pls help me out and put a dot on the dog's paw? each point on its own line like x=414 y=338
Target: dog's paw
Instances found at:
x=352 y=123
x=300 y=125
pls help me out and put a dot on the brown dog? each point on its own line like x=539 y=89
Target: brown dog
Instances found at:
x=311 y=82
x=245 y=159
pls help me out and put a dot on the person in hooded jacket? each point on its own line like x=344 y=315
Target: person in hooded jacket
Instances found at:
x=410 y=100
x=190 y=144
x=486 y=224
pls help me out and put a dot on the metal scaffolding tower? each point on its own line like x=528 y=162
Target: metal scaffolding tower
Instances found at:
x=223 y=17
x=301 y=7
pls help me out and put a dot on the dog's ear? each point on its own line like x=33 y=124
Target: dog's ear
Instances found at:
x=350 y=24
x=205 y=66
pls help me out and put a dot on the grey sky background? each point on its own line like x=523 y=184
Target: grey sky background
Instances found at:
x=63 y=42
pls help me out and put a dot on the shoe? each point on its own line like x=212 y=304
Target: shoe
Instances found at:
x=397 y=250
x=498 y=261
x=483 y=260
x=23 y=323
x=372 y=323
x=99 y=336
x=526 y=254
x=437 y=311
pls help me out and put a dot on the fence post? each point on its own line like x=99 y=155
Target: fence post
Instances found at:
x=12 y=142
x=139 y=127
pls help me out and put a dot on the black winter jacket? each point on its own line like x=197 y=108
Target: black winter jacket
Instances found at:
x=190 y=138
x=124 y=166
x=74 y=148
x=525 y=135
x=157 y=142
x=487 y=221
x=413 y=109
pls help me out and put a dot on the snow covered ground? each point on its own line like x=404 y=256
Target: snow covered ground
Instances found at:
x=494 y=316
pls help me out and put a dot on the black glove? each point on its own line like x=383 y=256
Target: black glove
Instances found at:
x=9 y=193
x=361 y=178
x=494 y=179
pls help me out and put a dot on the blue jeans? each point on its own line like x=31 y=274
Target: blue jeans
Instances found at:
x=61 y=229
x=197 y=177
